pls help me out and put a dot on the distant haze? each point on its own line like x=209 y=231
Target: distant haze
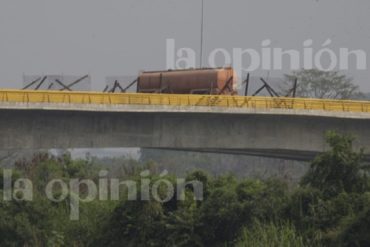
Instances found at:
x=122 y=37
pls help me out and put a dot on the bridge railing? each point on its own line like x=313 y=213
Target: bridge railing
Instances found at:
x=20 y=96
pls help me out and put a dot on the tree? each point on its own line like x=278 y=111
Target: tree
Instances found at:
x=357 y=233
x=323 y=84
x=338 y=170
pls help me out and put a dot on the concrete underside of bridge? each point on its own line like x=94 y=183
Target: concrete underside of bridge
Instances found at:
x=269 y=133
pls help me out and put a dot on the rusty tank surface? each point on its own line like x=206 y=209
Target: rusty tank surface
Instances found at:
x=191 y=81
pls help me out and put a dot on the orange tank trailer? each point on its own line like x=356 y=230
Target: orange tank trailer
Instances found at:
x=191 y=81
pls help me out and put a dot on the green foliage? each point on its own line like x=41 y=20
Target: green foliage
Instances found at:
x=356 y=233
x=330 y=207
x=338 y=170
x=273 y=235
x=25 y=223
x=220 y=217
x=333 y=192
x=215 y=221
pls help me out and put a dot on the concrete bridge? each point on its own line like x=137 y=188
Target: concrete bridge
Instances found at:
x=283 y=133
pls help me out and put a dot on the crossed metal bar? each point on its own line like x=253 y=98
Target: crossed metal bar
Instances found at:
x=269 y=89
x=118 y=85
x=41 y=81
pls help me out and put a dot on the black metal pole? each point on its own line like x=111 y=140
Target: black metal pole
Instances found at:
x=63 y=85
x=30 y=84
x=295 y=87
x=246 y=85
x=77 y=81
x=130 y=85
x=270 y=88
x=41 y=82
x=259 y=90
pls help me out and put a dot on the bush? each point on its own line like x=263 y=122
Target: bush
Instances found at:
x=273 y=235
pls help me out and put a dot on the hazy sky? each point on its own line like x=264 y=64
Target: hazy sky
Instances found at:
x=122 y=37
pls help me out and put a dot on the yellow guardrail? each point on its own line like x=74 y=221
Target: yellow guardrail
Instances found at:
x=23 y=96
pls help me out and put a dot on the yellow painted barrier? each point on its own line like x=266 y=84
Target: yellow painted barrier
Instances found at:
x=27 y=96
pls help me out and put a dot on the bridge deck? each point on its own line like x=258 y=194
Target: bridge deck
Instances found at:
x=96 y=98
